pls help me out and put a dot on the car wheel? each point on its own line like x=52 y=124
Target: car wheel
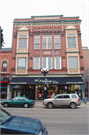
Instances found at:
x=72 y=105
x=50 y=105
x=6 y=105
x=26 y=105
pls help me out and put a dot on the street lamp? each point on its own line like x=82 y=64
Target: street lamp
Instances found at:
x=44 y=71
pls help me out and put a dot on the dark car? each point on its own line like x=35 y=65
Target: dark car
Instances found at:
x=20 y=125
x=18 y=101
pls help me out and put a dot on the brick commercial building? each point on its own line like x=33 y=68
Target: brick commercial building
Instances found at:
x=5 y=63
x=50 y=42
x=86 y=69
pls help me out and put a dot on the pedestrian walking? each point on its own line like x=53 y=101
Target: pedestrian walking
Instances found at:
x=86 y=99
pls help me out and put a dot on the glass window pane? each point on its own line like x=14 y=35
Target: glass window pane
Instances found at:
x=57 y=63
x=73 y=62
x=70 y=35
x=21 y=63
x=22 y=43
x=23 y=36
x=49 y=63
x=49 y=46
x=46 y=36
x=71 y=42
x=56 y=36
x=44 y=62
x=36 y=63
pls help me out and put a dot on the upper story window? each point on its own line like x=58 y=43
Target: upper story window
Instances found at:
x=22 y=42
x=73 y=62
x=57 y=41
x=37 y=41
x=21 y=63
x=4 y=66
x=38 y=29
x=47 y=41
x=34 y=29
x=37 y=63
x=47 y=63
x=71 y=38
x=57 y=63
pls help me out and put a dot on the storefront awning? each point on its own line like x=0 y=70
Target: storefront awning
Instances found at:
x=48 y=80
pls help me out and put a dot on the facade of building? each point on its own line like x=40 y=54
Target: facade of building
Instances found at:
x=86 y=69
x=50 y=42
x=5 y=61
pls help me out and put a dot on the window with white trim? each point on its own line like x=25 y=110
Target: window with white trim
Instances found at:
x=22 y=42
x=57 y=62
x=47 y=63
x=21 y=63
x=36 y=63
x=37 y=41
x=47 y=41
x=4 y=66
x=71 y=39
x=73 y=62
x=57 y=41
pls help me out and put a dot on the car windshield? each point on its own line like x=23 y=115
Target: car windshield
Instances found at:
x=4 y=116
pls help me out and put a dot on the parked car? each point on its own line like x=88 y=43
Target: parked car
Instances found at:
x=10 y=124
x=71 y=100
x=18 y=101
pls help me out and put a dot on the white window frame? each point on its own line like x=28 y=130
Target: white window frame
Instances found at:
x=39 y=41
x=54 y=41
x=47 y=41
x=25 y=63
x=59 y=62
x=76 y=63
x=47 y=64
x=72 y=35
x=35 y=63
x=22 y=36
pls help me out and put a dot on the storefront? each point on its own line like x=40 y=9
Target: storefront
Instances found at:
x=4 y=81
x=33 y=87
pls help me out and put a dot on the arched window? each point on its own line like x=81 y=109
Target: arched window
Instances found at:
x=4 y=66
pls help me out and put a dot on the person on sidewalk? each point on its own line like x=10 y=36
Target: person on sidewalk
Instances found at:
x=86 y=99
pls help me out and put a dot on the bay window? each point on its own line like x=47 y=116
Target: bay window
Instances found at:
x=21 y=63
x=22 y=42
x=71 y=38
x=73 y=62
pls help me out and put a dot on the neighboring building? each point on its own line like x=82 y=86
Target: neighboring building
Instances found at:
x=52 y=42
x=86 y=69
x=5 y=63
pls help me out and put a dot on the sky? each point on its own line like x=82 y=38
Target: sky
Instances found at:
x=11 y=9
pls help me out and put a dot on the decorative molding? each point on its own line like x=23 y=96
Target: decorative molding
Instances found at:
x=82 y=68
x=64 y=68
x=81 y=57
x=15 y=35
x=63 y=57
x=12 y=69
x=13 y=58
x=30 y=57
x=30 y=68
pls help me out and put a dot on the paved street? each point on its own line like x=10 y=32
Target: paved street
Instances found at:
x=58 y=121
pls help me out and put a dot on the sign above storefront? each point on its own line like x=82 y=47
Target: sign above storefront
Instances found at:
x=48 y=80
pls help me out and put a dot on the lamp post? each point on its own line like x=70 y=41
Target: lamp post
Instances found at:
x=44 y=71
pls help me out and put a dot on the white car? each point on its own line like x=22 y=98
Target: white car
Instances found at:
x=71 y=100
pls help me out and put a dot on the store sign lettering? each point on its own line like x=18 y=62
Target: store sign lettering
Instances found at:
x=46 y=81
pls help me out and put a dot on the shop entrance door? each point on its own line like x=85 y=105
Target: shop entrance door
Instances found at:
x=16 y=93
